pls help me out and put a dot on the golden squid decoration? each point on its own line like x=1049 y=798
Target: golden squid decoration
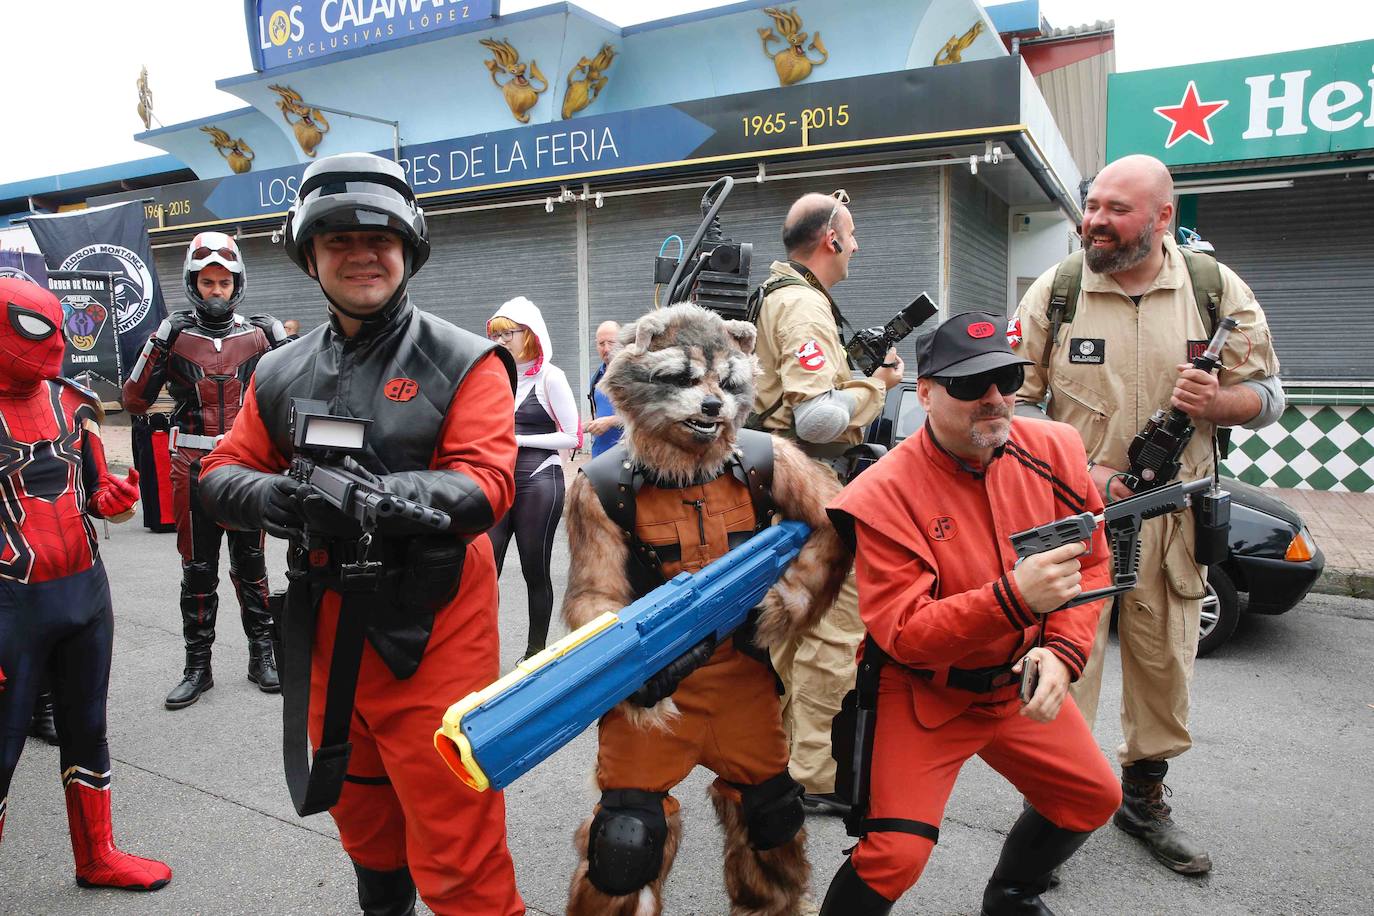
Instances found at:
x=792 y=62
x=519 y=90
x=238 y=152
x=953 y=51
x=145 y=100
x=310 y=125
x=586 y=80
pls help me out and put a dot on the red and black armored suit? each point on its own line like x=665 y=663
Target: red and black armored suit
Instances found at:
x=55 y=613
x=206 y=372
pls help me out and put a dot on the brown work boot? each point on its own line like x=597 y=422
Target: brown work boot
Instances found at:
x=1145 y=814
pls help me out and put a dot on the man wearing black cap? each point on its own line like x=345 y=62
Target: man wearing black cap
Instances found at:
x=952 y=619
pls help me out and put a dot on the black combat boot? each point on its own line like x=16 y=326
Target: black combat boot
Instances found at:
x=850 y=895
x=257 y=626
x=198 y=627
x=825 y=803
x=43 y=725
x=1033 y=850
x=1145 y=814
x=385 y=893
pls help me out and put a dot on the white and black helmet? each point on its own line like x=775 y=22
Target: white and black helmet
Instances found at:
x=349 y=192
x=213 y=248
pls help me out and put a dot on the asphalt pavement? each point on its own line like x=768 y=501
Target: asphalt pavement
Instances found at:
x=1278 y=784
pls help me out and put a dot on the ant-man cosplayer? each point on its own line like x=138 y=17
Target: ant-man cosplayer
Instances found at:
x=55 y=613
x=206 y=355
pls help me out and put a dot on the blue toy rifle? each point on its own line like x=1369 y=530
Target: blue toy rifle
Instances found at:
x=492 y=737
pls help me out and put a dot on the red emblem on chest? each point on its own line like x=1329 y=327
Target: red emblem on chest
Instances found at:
x=401 y=389
x=942 y=529
x=811 y=356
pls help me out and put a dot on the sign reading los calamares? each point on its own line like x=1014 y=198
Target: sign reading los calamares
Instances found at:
x=290 y=31
x=1299 y=103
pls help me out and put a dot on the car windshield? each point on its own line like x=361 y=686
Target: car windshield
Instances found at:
x=910 y=415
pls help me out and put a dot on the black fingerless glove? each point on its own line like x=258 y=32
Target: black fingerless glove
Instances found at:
x=662 y=685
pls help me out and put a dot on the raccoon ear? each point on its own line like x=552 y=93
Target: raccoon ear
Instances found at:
x=647 y=328
x=743 y=333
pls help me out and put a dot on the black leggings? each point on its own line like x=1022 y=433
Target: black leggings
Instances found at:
x=62 y=629
x=533 y=519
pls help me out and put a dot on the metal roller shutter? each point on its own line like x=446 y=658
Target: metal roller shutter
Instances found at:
x=897 y=225
x=1307 y=252
x=978 y=246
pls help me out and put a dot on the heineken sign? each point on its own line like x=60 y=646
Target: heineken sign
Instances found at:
x=1300 y=103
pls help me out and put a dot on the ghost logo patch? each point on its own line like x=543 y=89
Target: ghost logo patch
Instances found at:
x=401 y=389
x=811 y=356
x=1090 y=351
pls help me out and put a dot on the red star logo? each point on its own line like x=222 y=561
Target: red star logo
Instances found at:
x=1190 y=116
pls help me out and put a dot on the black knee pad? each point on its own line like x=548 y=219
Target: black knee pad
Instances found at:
x=625 y=844
x=773 y=811
x=197 y=578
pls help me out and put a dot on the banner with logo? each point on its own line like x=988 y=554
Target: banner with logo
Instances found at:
x=284 y=32
x=92 y=353
x=109 y=240
x=1319 y=101
x=26 y=265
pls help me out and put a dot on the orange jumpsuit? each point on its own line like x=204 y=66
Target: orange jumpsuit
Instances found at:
x=934 y=565
x=400 y=805
x=730 y=720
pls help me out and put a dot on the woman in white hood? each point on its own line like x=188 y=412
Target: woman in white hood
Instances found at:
x=546 y=420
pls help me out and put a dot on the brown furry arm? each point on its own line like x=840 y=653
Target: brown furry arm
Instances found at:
x=596 y=572
x=807 y=589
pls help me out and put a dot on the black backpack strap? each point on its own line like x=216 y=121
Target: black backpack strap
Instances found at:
x=753 y=467
x=615 y=480
x=1064 y=290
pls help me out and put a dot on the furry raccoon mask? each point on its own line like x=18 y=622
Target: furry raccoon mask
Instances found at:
x=682 y=381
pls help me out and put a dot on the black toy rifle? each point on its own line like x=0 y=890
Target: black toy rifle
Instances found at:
x=1156 y=453
x=1122 y=519
x=868 y=347
x=321 y=442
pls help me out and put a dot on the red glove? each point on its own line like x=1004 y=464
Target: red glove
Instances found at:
x=116 y=496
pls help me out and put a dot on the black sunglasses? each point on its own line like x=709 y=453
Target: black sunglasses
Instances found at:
x=200 y=254
x=971 y=387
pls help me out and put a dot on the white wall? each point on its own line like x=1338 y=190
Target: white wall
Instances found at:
x=1038 y=240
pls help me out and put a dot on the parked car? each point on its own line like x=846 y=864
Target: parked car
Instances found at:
x=1273 y=559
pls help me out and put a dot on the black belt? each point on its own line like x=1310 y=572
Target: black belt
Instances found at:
x=974 y=680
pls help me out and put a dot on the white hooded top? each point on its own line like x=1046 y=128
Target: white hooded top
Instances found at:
x=546 y=381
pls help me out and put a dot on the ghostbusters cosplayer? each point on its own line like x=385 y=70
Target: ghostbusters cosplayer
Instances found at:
x=56 y=619
x=1122 y=355
x=420 y=624
x=952 y=617
x=807 y=393
x=205 y=356
x=683 y=486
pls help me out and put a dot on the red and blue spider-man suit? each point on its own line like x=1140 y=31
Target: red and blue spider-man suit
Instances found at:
x=55 y=614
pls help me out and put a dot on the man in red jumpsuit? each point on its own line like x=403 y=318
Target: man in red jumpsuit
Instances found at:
x=941 y=594
x=56 y=620
x=206 y=355
x=441 y=404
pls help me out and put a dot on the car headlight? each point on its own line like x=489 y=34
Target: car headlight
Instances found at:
x=1300 y=548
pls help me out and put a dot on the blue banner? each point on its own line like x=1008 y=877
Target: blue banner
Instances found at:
x=27 y=265
x=282 y=32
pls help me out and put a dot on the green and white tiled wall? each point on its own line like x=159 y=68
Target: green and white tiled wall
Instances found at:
x=1323 y=441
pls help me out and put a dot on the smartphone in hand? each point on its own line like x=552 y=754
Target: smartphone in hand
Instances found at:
x=1030 y=677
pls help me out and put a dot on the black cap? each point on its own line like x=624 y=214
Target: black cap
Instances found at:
x=967 y=344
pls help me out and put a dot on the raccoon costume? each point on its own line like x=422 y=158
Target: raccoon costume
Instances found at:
x=683 y=381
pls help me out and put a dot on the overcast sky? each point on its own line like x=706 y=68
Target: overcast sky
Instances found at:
x=69 y=68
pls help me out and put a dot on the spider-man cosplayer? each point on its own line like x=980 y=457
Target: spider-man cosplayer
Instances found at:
x=55 y=613
x=205 y=356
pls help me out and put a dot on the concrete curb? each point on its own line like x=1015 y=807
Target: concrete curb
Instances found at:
x=1355 y=583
